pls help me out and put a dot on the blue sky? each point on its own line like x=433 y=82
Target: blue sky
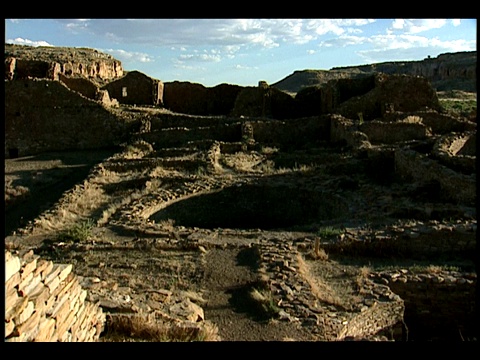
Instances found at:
x=245 y=51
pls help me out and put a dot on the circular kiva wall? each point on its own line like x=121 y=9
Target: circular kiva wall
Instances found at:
x=254 y=207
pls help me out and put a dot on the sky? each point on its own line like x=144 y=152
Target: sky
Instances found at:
x=246 y=51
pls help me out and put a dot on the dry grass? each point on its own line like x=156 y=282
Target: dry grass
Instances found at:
x=167 y=225
x=412 y=119
x=14 y=193
x=320 y=288
x=137 y=328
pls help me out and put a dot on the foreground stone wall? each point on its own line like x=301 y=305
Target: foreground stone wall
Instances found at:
x=44 y=302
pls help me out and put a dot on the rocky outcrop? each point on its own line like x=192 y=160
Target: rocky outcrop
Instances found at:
x=47 y=62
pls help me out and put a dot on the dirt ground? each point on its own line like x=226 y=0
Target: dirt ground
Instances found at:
x=130 y=269
x=48 y=176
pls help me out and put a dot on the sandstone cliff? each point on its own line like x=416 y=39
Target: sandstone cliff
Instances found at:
x=450 y=71
x=49 y=61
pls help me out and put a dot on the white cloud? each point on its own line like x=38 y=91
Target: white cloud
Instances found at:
x=456 y=22
x=199 y=57
x=129 y=56
x=244 y=67
x=408 y=47
x=266 y=33
x=344 y=40
x=415 y=26
x=20 y=41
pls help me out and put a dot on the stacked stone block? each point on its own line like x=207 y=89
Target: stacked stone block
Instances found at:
x=44 y=302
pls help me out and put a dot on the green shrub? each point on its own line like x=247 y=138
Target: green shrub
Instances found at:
x=78 y=232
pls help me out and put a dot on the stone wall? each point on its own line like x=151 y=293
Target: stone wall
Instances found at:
x=264 y=102
x=437 y=305
x=292 y=132
x=457 y=151
x=440 y=123
x=344 y=131
x=455 y=186
x=380 y=132
x=81 y=85
x=136 y=88
x=44 y=115
x=391 y=92
x=44 y=302
x=196 y=99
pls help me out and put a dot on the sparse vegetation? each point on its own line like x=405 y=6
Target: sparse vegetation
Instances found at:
x=328 y=232
x=267 y=302
x=77 y=233
x=137 y=328
x=458 y=102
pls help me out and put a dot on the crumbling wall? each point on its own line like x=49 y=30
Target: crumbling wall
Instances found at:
x=221 y=99
x=291 y=132
x=44 y=302
x=380 y=132
x=136 y=88
x=391 y=92
x=455 y=186
x=44 y=115
x=440 y=123
x=439 y=306
x=344 y=131
x=185 y=97
x=264 y=102
x=457 y=151
x=82 y=85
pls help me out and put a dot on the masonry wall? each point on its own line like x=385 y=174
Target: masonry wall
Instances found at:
x=455 y=187
x=44 y=115
x=136 y=88
x=392 y=132
x=84 y=86
x=437 y=309
x=44 y=302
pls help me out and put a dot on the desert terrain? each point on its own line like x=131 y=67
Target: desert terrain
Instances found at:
x=149 y=228
x=343 y=211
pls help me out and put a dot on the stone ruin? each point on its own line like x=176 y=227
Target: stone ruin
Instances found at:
x=419 y=164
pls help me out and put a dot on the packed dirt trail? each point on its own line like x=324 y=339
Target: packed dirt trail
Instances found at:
x=228 y=279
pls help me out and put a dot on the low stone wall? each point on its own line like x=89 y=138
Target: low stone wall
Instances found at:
x=437 y=304
x=282 y=269
x=380 y=132
x=455 y=186
x=44 y=302
x=439 y=123
x=343 y=130
x=458 y=151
